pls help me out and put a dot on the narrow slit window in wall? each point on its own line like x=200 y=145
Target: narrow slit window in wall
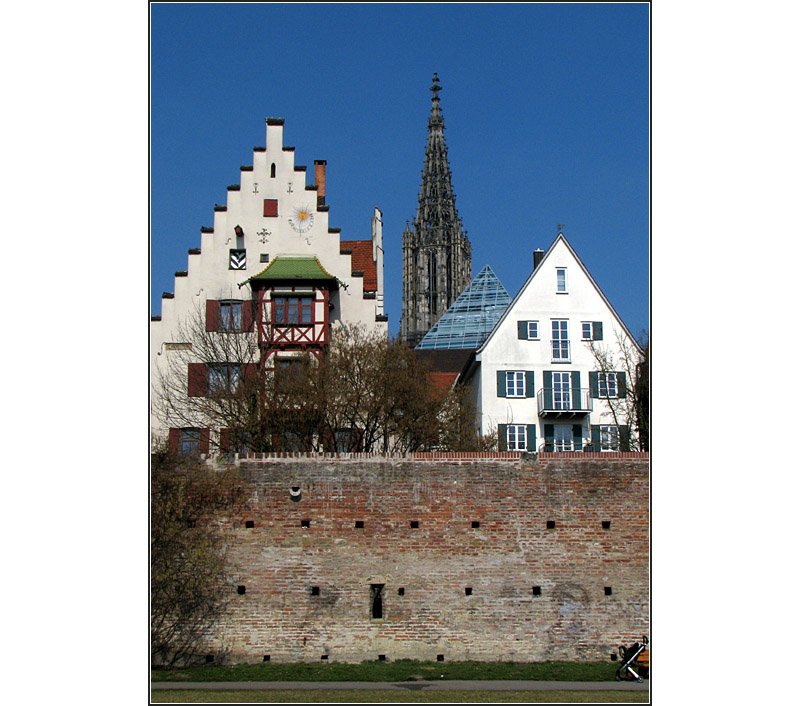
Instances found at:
x=241 y=590
x=551 y=524
x=440 y=658
x=272 y=171
x=315 y=590
x=401 y=591
x=476 y=524
x=606 y=524
x=536 y=590
x=305 y=523
x=376 y=600
x=266 y=658
x=414 y=524
x=359 y=524
x=607 y=590
x=249 y=524
x=468 y=591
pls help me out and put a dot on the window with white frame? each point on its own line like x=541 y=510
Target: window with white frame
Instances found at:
x=561 y=280
x=515 y=383
x=607 y=385
x=586 y=330
x=533 y=330
x=516 y=437
x=609 y=437
x=562 y=437
x=223 y=378
x=560 y=339
x=230 y=316
x=562 y=391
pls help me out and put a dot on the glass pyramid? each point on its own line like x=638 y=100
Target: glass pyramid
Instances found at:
x=471 y=317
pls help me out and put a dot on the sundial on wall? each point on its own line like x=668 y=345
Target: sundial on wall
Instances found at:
x=302 y=219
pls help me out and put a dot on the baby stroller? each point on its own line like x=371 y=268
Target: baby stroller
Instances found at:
x=636 y=656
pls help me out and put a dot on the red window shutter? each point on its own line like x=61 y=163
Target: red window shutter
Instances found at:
x=198 y=379
x=204 y=439
x=247 y=315
x=224 y=440
x=250 y=374
x=174 y=437
x=212 y=315
x=270 y=207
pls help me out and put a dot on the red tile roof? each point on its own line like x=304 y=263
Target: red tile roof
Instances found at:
x=441 y=382
x=361 y=261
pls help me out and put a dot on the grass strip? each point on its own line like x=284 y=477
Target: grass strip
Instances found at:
x=400 y=670
x=383 y=696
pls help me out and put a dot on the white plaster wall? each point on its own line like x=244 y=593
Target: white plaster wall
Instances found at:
x=208 y=274
x=538 y=301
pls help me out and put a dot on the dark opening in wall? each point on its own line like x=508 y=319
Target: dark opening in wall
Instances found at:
x=468 y=591
x=209 y=659
x=607 y=590
x=613 y=656
x=475 y=524
x=440 y=658
x=295 y=494
x=414 y=524
x=249 y=524
x=376 y=600
x=401 y=591
x=241 y=590
x=359 y=524
x=536 y=590
x=272 y=171
x=315 y=590
x=381 y=658
x=325 y=657
x=266 y=658
x=305 y=523
x=606 y=524
x=551 y=524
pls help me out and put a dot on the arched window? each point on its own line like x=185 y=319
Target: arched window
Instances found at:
x=272 y=170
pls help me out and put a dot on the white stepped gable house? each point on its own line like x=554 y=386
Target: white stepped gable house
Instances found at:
x=271 y=270
x=556 y=372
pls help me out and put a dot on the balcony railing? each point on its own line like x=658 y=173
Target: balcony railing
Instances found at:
x=559 y=351
x=559 y=402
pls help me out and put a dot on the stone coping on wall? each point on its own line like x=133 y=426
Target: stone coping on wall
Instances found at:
x=464 y=456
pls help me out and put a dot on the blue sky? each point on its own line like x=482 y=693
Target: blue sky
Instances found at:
x=546 y=114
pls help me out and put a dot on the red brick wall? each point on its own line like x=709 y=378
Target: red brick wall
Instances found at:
x=278 y=561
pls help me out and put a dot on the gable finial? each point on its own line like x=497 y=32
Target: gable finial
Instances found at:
x=560 y=227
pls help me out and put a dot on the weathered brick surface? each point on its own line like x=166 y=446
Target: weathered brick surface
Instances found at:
x=511 y=552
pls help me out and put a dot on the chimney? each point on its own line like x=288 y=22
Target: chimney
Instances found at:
x=538 y=254
x=319 y=180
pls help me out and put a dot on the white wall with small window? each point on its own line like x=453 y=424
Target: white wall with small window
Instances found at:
x=537 y=366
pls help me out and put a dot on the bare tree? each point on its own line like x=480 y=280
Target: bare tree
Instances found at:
x=189 y=590
x=622 y=395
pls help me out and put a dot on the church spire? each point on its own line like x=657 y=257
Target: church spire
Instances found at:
x=437 y=262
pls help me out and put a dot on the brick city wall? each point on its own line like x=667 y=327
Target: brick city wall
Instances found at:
x=573 y=591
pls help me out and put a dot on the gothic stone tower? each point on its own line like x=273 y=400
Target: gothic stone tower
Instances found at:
x=437 y=259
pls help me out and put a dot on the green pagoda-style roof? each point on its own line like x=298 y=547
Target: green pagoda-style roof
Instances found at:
x=287 y=267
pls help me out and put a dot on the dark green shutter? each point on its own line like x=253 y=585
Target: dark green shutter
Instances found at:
x=531 y=437
x=597 y=330
x=593 y=388
x=502 y=438
x=595 y=437
x=575 y=390
x=501 y=383
x=624 y=438
x=522 y=330
x=548 y=389
x=529 y=386
x=622 y=385
x=577 y=437
x=548 y=437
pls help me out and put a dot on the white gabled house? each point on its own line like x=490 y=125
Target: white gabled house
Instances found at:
x=555 y=373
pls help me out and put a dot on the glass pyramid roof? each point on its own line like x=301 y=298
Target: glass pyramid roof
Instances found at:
x=471 y=317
